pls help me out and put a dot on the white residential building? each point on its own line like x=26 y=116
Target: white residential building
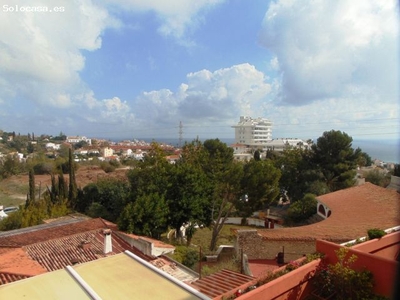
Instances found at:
x=286 y=143
x=77 y=139
x=53 y=146
x=253 y=132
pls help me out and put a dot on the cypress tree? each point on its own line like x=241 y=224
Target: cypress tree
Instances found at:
x=54 y=189
x=73 y=191
x=31 y=195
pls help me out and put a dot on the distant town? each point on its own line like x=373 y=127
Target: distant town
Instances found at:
x=250 y=134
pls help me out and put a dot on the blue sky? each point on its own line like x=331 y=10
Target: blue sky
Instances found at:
x=136 y=68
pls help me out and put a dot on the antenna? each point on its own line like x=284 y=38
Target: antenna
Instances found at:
x=180 y=133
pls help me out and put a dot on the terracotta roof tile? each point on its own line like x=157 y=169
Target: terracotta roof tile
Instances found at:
x=17 y=262
x=36 y=250
x=354 y=211
x=41 y=233
x=221 y=282
x=58 y=253
x=6 y=277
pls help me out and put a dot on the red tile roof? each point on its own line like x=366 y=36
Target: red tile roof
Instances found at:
x=6 y=277
x=354 y=211
x=35 y=250
x=15 y=261
x=58 y=253
x=221 y=282
x=41 y=233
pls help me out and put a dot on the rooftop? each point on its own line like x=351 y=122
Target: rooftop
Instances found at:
x=50 y=247
x=221 y=282
x=122 y=276
x=354 y=211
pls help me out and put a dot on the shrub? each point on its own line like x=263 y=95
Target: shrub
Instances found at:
x=190 y=258
x=43 y=168
x=375 y=233
x=342 y=280
x=107 y=167
x=302 y=209
x=186 y=256
x=293 y=265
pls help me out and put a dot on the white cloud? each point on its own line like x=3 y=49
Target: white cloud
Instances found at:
x=177 y=17
x=274 y=63
x=106 y=111
x=326 y=49
x=40 y=52
x=219 y=96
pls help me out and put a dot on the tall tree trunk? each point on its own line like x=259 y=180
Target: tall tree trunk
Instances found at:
x=220 y=221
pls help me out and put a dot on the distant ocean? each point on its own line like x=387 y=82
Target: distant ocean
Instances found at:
x=384 y=150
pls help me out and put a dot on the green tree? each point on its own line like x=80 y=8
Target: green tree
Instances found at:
x=150 y=175
x=147 y=216
x=377 y=177
x=110 y=193
x=32 y=189
x=257 y=155
x=303 y=209
x=188 y=196
x=224 y=175
x=364 y=160
x=97 y=210
x=73 y=189
x=260 y=183
x=80 y=144
x=10 y=166
x=30 y=148
x=334 y=156
x=227 y=194
x=299 y=174
x=147 y=210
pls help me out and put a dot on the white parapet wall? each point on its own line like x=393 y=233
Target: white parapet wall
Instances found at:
x=249 y=221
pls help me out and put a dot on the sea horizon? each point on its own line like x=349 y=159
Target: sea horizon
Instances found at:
x=384 y=150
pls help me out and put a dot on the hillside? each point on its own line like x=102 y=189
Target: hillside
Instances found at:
x=13 y=190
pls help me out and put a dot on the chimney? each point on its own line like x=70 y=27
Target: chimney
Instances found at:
x=107 y=241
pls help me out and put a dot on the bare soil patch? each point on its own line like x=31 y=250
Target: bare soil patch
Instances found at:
x=13 y=190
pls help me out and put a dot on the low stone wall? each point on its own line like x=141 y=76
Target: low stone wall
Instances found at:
x=257 y=247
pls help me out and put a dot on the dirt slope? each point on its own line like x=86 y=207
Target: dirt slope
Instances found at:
x=13 y=190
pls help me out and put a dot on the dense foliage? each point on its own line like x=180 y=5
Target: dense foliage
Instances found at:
x=335 y=158
x=342 y=281
x=329 y=165
x=302 y=209
x=204 y=187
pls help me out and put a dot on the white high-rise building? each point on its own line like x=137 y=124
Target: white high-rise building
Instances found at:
x=253 y=132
